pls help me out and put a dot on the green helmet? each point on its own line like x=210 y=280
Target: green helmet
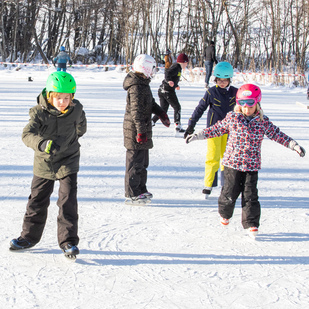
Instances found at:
x=223 y=70
x=61 y=82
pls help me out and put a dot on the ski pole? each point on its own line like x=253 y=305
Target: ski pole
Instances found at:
x=186 y=80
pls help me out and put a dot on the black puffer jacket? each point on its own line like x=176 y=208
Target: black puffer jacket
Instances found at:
x=173 y=73
x=140 y=106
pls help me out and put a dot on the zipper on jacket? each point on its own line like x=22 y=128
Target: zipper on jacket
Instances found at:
x=211 y=118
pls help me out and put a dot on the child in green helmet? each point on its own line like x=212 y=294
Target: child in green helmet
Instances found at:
x=56 y=123
x=219 y=100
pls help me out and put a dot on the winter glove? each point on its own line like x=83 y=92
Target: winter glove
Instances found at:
x=164 y=119
x=189 y=131
x=141 y=138
x=299 y=149
x=48 y=146
x=195 y=137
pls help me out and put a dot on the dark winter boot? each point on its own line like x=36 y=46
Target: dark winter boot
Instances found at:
x=20 y=243
x=179 y=128
x=206 y=191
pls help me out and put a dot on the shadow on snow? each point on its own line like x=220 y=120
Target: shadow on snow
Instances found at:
x=121 y=258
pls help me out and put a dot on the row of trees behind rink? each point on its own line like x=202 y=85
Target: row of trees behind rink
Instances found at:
x=256 y=36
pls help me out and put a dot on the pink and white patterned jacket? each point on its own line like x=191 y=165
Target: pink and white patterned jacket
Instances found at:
x=243 y=149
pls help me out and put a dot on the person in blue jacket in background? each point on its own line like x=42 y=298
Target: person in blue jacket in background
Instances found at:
x=61 y=59
x=220 y=99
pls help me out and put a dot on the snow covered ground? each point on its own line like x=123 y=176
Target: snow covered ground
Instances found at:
x=173 y=253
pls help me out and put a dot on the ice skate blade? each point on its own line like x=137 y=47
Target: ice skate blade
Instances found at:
x=179 y=135
x=144 y=202
x=70 y=257
x=253 y=235
x=224 y=224
x=18 y=251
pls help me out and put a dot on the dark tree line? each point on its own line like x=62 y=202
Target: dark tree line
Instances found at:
x=266 y=35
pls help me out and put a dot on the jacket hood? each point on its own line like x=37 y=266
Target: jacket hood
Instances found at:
x=42 y=99
x=133 y=79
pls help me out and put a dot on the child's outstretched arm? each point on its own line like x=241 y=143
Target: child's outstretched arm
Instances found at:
x=194 y=137
x=299 y=149
x=214 y=131
x=220 y=128
x=274 y=133
x=198 y=113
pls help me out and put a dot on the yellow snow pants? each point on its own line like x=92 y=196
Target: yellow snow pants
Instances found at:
x=215 y=150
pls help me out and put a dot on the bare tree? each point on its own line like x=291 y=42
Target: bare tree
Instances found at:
x=252 y=35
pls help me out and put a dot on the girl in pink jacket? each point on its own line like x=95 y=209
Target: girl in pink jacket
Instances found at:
x=246 y=126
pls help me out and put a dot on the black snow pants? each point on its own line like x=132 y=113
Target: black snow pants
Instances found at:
x=137 y=162
x=236 y=182
x=38 y=202
x=168 y=98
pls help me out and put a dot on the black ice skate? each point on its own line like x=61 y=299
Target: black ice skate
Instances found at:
x=20 y=244
x=207 y=191
x=179 y=128
x=70 y=251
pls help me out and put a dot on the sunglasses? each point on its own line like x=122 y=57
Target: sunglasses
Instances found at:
x=247 y=102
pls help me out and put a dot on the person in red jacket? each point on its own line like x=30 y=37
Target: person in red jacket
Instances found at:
x=246 y=126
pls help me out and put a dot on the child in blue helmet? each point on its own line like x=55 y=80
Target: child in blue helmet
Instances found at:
x=61 y=59
x=219 y=99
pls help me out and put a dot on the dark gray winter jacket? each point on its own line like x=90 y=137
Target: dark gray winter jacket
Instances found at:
x=140 y=106
x=47 y=123
x=210 y=54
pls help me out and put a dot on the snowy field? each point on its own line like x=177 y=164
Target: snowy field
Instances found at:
x=173 y=254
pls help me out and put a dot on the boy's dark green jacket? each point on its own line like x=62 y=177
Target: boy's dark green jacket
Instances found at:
x=64 y=129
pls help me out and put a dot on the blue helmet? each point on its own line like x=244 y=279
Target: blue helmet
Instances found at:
x=62 y=48
x=223 y=70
